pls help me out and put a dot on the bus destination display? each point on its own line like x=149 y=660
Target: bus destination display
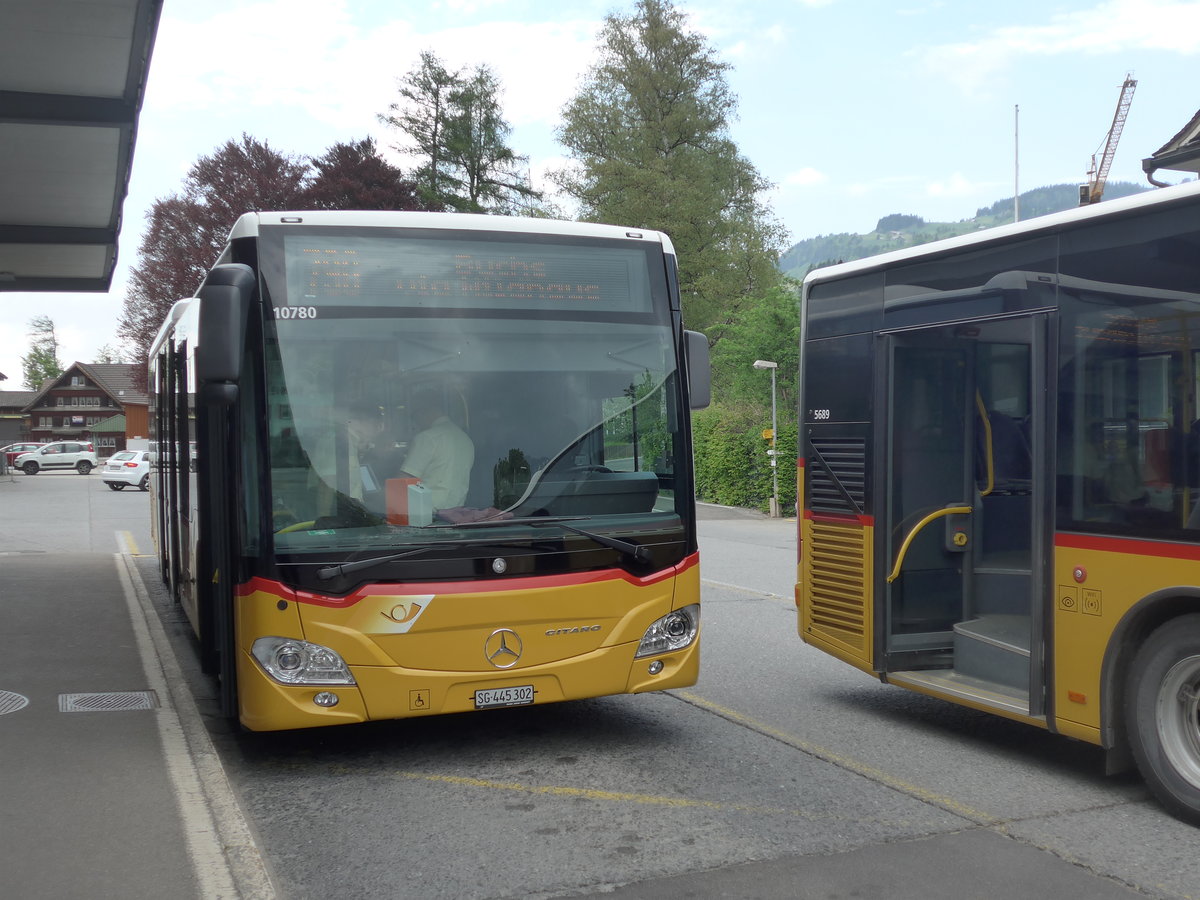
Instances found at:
x=458 y=274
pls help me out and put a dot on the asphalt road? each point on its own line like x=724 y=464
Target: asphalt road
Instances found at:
x=783 y=773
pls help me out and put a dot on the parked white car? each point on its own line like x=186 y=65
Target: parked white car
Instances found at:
x=127 y=467
x=77 y=455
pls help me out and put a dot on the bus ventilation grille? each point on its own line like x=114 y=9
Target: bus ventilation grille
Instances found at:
x=838 y=485
x=836 y=582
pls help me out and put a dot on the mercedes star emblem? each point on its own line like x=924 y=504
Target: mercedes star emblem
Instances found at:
x=503 y=648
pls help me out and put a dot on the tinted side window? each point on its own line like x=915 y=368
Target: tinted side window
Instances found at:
x=845 y=306
x=988 y=281
x=1129 y=377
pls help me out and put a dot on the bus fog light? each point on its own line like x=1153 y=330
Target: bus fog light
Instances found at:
x=674 y=631
x=656 y=667
x=326 y=699
x=290 y=661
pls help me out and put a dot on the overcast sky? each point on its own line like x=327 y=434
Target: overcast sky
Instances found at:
x=853 y=109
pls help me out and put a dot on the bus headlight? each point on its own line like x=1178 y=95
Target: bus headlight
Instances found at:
x=674 y=631
x=290 y=661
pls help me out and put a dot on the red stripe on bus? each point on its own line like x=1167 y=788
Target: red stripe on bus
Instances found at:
x=840 y=518
x=1133 y=546
x=505 y=585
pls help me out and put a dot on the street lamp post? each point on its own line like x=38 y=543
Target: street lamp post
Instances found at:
x=767 y=364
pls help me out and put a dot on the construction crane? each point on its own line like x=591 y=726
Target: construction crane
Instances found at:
x=1098 y=173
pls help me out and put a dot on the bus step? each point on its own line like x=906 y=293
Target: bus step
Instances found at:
x=994 y=648
x=1001 y=592
x=946 y=683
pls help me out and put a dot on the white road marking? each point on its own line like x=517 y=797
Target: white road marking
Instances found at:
x=225 y=859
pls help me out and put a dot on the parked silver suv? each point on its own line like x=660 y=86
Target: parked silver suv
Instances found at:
x=77 y=455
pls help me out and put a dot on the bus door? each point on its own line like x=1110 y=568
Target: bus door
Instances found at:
x=962 y=537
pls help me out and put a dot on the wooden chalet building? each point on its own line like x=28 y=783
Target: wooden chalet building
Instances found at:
x=89 y=401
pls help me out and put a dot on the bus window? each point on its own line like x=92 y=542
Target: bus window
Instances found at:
x=1127 y=446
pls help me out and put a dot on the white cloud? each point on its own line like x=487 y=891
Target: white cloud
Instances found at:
x=888 y=185
x=957 y=185
x=805 y=177
x=343 y=75
x=1113 y=26
x=467 y=7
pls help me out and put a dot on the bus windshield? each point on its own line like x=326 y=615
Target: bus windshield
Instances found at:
x=419 y=384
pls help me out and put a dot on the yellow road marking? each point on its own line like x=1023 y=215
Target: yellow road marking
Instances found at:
x=933 y=797
x=596 y=794
x=593 y=793
x=127 y=543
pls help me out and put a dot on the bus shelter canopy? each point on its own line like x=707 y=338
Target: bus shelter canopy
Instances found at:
x=72 y=78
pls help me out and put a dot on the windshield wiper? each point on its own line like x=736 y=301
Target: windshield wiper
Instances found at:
x=329 y=572
x=638 y=551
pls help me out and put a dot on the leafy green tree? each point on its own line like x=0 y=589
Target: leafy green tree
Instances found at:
x=731 y=459
x=648 y=136
x=456 y=129
x=732 y=465
x=767 y=327
x=41 y=362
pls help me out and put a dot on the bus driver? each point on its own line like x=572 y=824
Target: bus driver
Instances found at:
x=441 y=454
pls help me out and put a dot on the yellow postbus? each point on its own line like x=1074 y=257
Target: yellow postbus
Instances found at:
x=419 y=463
x=999 y=476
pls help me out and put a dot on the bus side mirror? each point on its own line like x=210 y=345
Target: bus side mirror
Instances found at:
x=221 y=335
x=698 y=370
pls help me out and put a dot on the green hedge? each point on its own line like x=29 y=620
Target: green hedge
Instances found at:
x=732 y=465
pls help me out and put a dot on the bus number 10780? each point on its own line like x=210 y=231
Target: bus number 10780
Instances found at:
x=295 y=312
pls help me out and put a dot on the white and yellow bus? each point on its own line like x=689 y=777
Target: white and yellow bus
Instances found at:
x=999 y=475
x=552 y=557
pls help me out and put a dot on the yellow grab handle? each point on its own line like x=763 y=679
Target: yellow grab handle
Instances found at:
x=988 y=452
x=936 y=514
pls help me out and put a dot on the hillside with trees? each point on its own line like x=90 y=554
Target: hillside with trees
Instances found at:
x=896 y=231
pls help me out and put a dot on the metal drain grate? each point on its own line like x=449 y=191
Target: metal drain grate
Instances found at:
x=10 y=702
x=107 y=701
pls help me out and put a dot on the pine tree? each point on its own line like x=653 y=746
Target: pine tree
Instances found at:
x=454 y=126
x=423 y=114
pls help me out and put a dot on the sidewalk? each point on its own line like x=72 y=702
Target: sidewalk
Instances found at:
x=104 y=792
